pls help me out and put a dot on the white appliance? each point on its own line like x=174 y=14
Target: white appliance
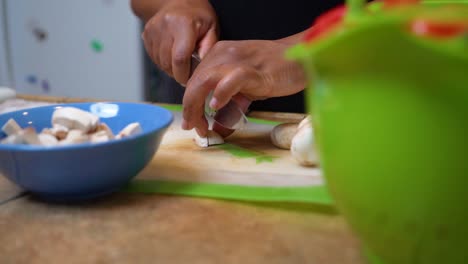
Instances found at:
x=85 y=49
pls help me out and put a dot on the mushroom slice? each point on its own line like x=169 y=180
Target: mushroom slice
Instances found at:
x=75 y=136
x=129 y=130
x=212 y=138
x=11 y=127
x=74 y=118
x=48 y=139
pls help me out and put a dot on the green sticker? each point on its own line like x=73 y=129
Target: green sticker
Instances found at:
x=97 y=45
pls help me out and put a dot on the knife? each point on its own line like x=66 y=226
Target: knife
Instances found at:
x=230 y=116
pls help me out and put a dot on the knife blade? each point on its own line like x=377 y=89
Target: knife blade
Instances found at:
x=230 y=116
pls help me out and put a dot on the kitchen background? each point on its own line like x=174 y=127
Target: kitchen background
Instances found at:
x=85 y=49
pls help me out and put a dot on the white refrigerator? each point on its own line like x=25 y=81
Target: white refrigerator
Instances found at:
x=85 y=49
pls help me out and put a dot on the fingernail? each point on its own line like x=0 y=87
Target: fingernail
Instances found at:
x=214 y=103
x=185 y=125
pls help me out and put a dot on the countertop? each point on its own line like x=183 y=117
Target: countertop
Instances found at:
x=153 y=228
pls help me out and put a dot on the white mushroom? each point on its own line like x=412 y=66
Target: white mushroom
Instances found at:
x=29 y=136
x=11 y=127
x=58 y=131
x=48 y=139
x=307 y=121
x=129 y=130
x=212 y=138
x=103 y=127
x=282 y=134
x=303 y=145
x=99 y=136
x=74 y=118
x=12 y=139
x=69 y=126
x=75 y=136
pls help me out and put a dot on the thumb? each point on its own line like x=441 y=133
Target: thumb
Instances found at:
x=207 y=42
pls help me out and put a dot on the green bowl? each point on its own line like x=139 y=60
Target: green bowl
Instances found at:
x=391 y=121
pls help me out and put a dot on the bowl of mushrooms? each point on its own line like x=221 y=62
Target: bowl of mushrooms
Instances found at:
x=79 y=151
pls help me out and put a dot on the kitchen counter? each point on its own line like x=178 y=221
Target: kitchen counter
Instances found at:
x=154 y=228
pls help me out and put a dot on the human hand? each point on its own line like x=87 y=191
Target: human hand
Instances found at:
x=173 y=33
x=250 y=69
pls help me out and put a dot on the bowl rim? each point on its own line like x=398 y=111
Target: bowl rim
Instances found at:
x=87 y=145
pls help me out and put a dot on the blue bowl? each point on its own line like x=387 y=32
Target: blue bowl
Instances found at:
x=88 y=170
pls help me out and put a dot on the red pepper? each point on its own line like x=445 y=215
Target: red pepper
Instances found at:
x=439 y=29
x=325 y=22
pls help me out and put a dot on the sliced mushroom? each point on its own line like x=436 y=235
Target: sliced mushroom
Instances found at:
x=48 y=139
x=212 y=138
x=129 y=130
x=29 y=136
x=75 y=136
x=11 y=127
x=74 y=118
x=100 y=136
x=103 y=127
x=12 y=139
x=58 y=131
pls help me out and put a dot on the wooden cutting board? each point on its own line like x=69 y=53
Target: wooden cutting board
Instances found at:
x=247 y=158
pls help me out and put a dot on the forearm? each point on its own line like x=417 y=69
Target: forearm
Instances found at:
x=145 y=9
x=293 y=39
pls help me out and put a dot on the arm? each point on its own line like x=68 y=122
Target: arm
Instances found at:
x=145 y=9
x=293 y=39
x=174 y=29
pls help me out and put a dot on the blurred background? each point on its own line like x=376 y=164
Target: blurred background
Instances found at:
x=85 y=49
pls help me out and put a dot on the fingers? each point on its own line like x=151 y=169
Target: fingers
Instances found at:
x=182 y=49
x=198 y=88
x=148 y=43
x=165 y=56
x=207 y=42
x=227 y=83
x=233 y=83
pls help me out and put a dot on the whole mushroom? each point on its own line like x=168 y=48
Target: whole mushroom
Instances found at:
x=303 y=144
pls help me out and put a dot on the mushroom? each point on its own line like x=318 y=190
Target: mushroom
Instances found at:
x=75 y=136
x=103 y=127
x=29 y=136
x=58 y=131
x=129 y=130
x=74 y=118
x=99 y=136
x=12 y=139
x=69 y=126
x=282 y=134
x=11 y=127
x=303 y=144
x=48 y=139
x=212 y=138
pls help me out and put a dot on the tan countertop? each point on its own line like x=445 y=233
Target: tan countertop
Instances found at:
x=137 y=228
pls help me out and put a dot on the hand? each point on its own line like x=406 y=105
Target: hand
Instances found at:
x=172 y=34
x=254 y=69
